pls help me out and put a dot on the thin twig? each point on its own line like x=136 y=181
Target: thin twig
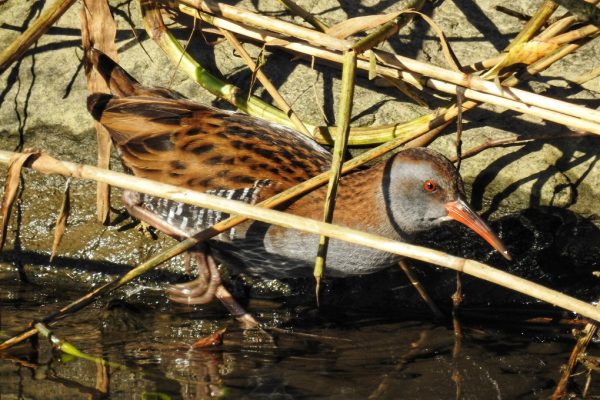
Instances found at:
x=279 y=100
x=584 y=340
x=513 y=141
x=307 y=16
x=416 y=283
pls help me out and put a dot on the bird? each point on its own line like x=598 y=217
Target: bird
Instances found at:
x=161 y=135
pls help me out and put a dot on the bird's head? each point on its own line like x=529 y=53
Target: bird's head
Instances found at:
x=423 y=189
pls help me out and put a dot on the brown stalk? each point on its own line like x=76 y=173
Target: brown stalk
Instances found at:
x=584 y=340
x=416 y=283
x=11 y=188
x=279 y=100
x=98 y=29
x=574 y=35
x=20 y=45
x=61 y=222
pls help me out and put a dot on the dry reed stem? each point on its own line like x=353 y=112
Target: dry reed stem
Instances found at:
x=580 y=346
x=557 y=28
x=248 y=17
x=278 y=98
x=515 y=99
x=20 y=45
x=98 y=30
x=443 y=77
x=48 y=165
x=574 y=35
x=61 y=221
x=562 y=119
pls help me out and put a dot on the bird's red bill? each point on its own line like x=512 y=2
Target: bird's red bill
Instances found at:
x=461 y=212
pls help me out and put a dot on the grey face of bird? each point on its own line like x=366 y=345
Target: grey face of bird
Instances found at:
x=416 y=187
x=423 y=189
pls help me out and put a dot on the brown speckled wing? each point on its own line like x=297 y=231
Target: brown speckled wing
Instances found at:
x=202 y=148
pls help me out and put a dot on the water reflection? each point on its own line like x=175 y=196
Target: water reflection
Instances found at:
x=364 y=357
x=369 y=340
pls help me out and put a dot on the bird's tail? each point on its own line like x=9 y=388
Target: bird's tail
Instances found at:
x=120 y=83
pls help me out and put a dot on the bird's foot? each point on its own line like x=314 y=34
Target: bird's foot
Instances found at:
x=206 y=287
x=202 y=289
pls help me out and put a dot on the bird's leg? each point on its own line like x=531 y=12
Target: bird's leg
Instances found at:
x=245 y=319
x=208 y=284
x=132 y=205
x=202 y=289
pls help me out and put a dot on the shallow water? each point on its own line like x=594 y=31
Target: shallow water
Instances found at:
x=372 y=337
x=332 y=353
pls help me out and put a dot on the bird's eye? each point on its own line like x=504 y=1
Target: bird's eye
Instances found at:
x=430 y=186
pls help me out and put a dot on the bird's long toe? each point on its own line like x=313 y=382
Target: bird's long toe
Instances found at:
x=202 y=289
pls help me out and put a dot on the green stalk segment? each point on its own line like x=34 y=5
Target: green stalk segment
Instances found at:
x=341 y=142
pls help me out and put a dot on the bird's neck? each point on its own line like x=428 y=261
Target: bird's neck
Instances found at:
x=359 y=203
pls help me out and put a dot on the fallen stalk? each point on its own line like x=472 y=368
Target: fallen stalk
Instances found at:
x=413 y=71
x=261 y=21
x=49 y=165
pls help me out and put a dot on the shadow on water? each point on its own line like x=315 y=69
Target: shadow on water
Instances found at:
x=371 y=337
